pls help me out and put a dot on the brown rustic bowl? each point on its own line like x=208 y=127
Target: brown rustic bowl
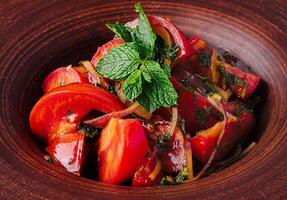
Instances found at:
x=38 y=36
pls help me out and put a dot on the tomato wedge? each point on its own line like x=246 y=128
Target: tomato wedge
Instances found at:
x=63 y=76
x=69 y=151
x=204 y=142
x=149 y=174
x=106 y=48
x=243 y=84
x=195 y=109
x=122 y=149
x=59 y=111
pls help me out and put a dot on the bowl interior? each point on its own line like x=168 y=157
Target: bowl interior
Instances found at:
x=68 y=38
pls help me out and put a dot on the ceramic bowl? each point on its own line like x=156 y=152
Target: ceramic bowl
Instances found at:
x=38 y=36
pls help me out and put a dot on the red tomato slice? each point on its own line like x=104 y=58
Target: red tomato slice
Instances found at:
x=195 y=109
x=69 y=151
x=122 y=149
x=251 y=82
x=106 y=48
x=204 y=142
x=149 y=174
x=63 y=76
x=58 y=111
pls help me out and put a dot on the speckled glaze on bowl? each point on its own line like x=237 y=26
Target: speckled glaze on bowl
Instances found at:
x=38 y=36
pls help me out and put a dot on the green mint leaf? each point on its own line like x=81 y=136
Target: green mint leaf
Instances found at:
x=146 y=73
x=167 y=69
x=145 y=102
x=160 y=91
x=132 y=87
x=121 y=31
x=120 y=62
x=143 y=36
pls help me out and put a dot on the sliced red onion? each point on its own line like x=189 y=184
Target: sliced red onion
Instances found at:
x=101 y=121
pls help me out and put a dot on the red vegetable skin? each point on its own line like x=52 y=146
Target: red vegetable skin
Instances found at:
x=178 y=37
x=59 y=111
x=122 y=149
x=106 y=48
x=251 y=80
x=196 y=45
x=63 y=76
x=68 y=151
x=204 y=142
x=149 y=174
x=188 y=102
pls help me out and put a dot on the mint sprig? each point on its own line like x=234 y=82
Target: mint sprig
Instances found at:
x=132 y=87
x=143 y=36
x=145 y=80
x=121 y=31
x=160 y=90
x=119 y=62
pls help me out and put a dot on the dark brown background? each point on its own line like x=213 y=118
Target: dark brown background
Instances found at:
x=38 y=36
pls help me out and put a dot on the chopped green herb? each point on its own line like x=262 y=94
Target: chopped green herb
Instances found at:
x=88 y=130
x=240 y=82
x=182 y=175
x=202 y=116
x=249 y=105
x=163 y=142
x=204 y=58
x=232 y=79
x=167 y=180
